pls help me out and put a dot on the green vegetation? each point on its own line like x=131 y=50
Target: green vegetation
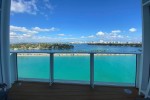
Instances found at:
x=40 y=46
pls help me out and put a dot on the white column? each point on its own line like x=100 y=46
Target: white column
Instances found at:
x=146 y=46
x=4 y=37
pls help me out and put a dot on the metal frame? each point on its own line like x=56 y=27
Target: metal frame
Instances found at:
x=136 y=73
x=79 y=82
x=115 y=84
x=51 y=68
x=92 y=70
x=16 y=63
x=47 y=51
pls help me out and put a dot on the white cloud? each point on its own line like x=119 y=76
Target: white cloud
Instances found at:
x=15 y=36
x=70 y=38
x=12 y=33
x=23 y=34
x=101 y=41
x=24 y=6
x=112 y=36
x=43 y=29
x=30 y=39
x=27 y=35
x=21 y=30
x=91 y=36
x=32 y=7
x=31 y=31
x=120 y=36
x=100 y=33
x=86 y=37
x=61 y=34
x=127 y=36
x=132 y=30
x=116 y=31
x=82 y=37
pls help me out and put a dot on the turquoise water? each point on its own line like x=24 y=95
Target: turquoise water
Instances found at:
x=116 y=68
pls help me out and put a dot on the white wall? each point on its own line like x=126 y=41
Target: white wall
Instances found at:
x=4 y=41
x=146 y=46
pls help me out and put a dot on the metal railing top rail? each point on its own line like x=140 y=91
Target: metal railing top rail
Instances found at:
x=86 y=52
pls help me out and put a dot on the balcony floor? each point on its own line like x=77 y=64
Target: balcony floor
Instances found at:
x=42 y=91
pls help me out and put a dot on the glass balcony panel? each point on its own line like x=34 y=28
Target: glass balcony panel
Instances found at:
x=72 y=67
x=115 y=68
x=33 y=65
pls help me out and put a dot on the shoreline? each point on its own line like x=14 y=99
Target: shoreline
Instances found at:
x=71 y=54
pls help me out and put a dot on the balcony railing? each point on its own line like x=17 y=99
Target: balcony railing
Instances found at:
x=93 y=68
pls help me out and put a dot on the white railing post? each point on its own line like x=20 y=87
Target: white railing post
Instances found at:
x=16 y=62
x=138 y=66
x=51 y=68
x=14 y=67
x=138 y=71
x=92 y=70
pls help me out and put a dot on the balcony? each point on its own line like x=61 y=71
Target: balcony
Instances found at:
x=114 y=74
x=94 y=83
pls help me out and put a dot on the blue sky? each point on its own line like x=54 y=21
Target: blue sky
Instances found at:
x=75 y=21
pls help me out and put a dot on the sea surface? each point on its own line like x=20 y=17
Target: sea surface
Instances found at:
x=107 y=68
